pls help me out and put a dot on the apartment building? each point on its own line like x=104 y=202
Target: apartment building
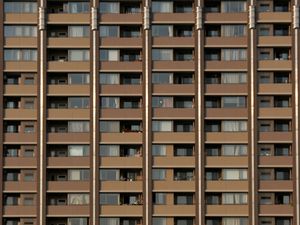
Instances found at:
x=140 y=112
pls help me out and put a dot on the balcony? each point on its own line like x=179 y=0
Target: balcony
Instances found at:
x=121 y=113
x=276 y=137
x=275 y=65
x=68 y=18
x=226 y=161
x=20 y=66
x=226 y=17
x=174 y=210
x=20 y=162
x=276 y=210
x=274 y=88
x=121 y=18
x=122 y=138
x=68 y=186
x=226 y=88
x=282 y=113
x=68 y=162
x=173 y=137
x=182 y=89
x=111 y=42
x=122 y=186
x=272 y=41
x=66 y=210
x=275 y=185
x=225 y=41
x=122 y=90
x=276 y=161
x=175 y=113
x=20 y=42
x=173 y=18
x=226 y=137
x=20 y=186
x=68 y=90
x=167 y=161
x=20 y=18
x=173 y=65
x=68 y=137
x=173 y=41
x=223 y=113
x=227 y=186
x=273 y=17
x=224 y=210
x=20 y=114
x=68 y=114
x=184 y=186
x=17 y=210
x=68 y=42
x=121 y=162
x=121 y=210
x=65 y=66
x=121 y=66
x=26 y=138
x=20 y=90
x=226 y=65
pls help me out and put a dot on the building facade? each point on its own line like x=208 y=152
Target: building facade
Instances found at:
x=140 y=112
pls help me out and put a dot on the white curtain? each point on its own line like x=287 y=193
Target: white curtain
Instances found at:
x=79 y=55
x=161 y=126
x=77 y=150
x=234 y=126
x=107 y=174
x=162 y=54
x=110 y=102
x=78 y=199
x=234 y=174
x=109 y=31
x=162 y=31
x=231 y=221
x=77 y=221
x=109 y=221
x=162 y=7
x=78 y=126
x=234 y=150
x=233 y=30
x=233 y=6
x=159 y=150
x=109 y=7
x=233 y=54
x=158 y=174
x=110 y=126
x=233 y=78
x=109 y=150
x=162 y=78
x=109 y=78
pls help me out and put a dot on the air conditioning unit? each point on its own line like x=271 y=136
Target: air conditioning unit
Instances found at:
x=61 y=177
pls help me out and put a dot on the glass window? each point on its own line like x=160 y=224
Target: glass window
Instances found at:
x=77 y=7
x=234 y=150
x=109 y=221
x=109 y=199
x=162 y=102
x=29 y=128
x=234 y=126
x=233 y=54
x=159 y=150
x=233 y=78
x=109 y=78
x=162 y=54
x=233 y=6
x=159 y=198
x=183 y=150
x=107 y=174
x=28 y=153
x=78 y=126
x=162 y=7
x=109 y=31
x=79 y=78
x=78 y=174
x=79 y=55
x=78 y=102
x=235 y=221
x=20 y=31
x=233 y=30
x=234 y=198
x=183 y=221
x=158 y=174
x=11 y=152
x=235 y=174
x=109 y=55
x=79 y=31
x=109 y=126
x=161 y=126
x=234 y=102
x=78 y=150
x=162 y=78
x=109 y=7
x=162 y=31
x=20 y=55
x=77 y=221
x=109 y=150
x=110 y=102
x=28 y=177
x=78 y=199
x=184 y=199
x=20 y=7
x=159 y=221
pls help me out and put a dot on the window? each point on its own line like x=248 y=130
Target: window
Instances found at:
x=109 y=150
x=109 y=126
x=235 y=221
x=233 y=54
x=159 y=221
x=234 y=150
x=158 y=174
x=77 y=174
x=29 y=80
x=79 y=55
x=110 y=102
x=162 y=78
x=28 y=153
x=282 y=174
x=109 y=199
x=162 y=7
x=234 y=174
x=20 y=7
x=109 y=55
x=29 y=128
x=234 y=126
x=162 y=30
x=77 y=7
x=78 y=126
x=283 y=221
x=180 y=150
x=282 y=150
x=11 y=152
x=233 y=6
x=79 y=31
x=28 y=201
x=77 y=221
x=109 y=78
x=107 y=174
x=162 y=102
x=183 y=199
x=233 y=30
x=159 y=150
x=20 y=31
x=79 y=78
x=265 y=199
x=28 y=176
x=159 y=198
x=11 y=200
x=162 y=54
x=234 y=102
x=109 y=7
x=78 y=150
x=161 y=126
x=183 y=221
x=109 y=221
x=78 y=103
x=183 y=174
x=109 y=31
x=20 y=55
x=29 y=104
x=78 y=199
x=233 y=78
x=234 y=198
x=11 y=176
